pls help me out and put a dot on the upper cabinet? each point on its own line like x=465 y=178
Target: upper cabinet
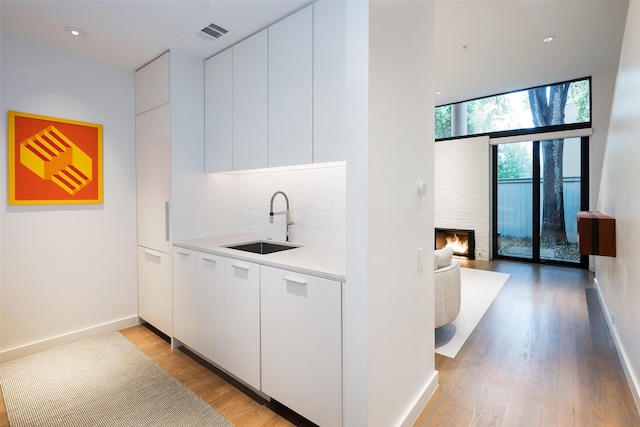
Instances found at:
x=218 y=119
x=152 y=85
x=250 y=102
x=329 y=81
x=291 y=90
x=278 y=98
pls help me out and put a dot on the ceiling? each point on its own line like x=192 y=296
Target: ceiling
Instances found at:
x=504 y=49
x=130 y=34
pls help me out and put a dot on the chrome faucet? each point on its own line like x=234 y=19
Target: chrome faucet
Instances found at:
x=286 y=213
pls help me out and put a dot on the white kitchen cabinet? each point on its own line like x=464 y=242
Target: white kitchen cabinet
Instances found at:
x=329 y=81
x=250 y=102
x=242 y=319
x=153 y=177
x=218 y=107
x=185 y=296
x=291 y=90
x=169 y=146
x=302 y=344
x=152 y=85
x=211 y=325
x=154 y=288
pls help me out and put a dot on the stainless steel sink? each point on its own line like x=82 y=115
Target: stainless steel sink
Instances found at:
x=262 y=247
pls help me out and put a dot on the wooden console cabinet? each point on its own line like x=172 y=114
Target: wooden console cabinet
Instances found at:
x=596 y=234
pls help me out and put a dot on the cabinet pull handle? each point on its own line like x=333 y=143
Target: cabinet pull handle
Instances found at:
x=209 y=259
x=152 y=254
x=166 y=221
x=183 y=253
x=240 y=267
x=296 y=281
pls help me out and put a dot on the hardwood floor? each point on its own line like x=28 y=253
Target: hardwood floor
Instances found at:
x=542 y=355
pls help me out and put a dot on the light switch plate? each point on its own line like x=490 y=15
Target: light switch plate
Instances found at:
x=420 y=259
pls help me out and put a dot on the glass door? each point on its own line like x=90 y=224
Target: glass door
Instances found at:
x=539 y=187
x=514 y=200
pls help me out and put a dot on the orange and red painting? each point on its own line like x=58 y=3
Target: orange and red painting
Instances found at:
x=54 y=161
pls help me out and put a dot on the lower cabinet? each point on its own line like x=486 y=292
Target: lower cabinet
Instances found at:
x=301 y=325
x=185 y=298
x=216 y=311
x=277 y=331
x=154 y=289
x=211 y=329
x=242 y=318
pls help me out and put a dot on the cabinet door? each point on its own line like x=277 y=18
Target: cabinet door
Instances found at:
x=290 y=90
x=185 y=277
x=250 y=102
x=243 y=321
x=218 y=106
x=154 y=288
x=153 y=174
x=302 y=344
x=211 y=307
x=152 y=84
x=329 y=81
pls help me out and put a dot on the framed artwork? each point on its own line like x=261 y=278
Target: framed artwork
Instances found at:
x=54 y=161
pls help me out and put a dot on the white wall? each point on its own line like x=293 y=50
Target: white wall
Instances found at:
x=618 y=278
x=68 y=268
x=461 y=188
x=317 y=197
x=602 y=88
x=382 y=175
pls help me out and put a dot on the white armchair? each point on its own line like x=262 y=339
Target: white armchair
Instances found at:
x=446 y=287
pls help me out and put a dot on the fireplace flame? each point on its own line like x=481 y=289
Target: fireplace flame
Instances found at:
x=459 y=246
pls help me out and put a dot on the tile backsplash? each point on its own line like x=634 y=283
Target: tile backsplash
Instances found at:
x=317 y=201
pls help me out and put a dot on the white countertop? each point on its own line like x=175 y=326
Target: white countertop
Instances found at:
x=328 y=262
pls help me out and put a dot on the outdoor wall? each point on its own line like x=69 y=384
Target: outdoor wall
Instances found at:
x=462 y=175
x=66 y=269
x=618 y=279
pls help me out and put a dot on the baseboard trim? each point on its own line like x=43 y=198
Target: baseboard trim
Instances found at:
x=634 y=384
x=52 y=342
x=420 y=402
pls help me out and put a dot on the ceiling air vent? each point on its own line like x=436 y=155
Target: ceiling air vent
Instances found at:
x=212 y=32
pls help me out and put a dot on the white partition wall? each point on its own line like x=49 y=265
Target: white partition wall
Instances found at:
x=388 y=300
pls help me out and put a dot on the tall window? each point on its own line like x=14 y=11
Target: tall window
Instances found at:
x=566 y=104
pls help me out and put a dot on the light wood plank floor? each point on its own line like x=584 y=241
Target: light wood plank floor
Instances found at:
x=542 y=355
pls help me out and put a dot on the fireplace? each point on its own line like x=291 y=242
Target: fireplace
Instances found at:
x=463 y=242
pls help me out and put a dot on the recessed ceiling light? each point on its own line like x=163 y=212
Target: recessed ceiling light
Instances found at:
x=439 y=92
x=75 y=31
x=548 y=39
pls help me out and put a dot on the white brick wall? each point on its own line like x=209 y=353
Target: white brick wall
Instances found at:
x=461 y=188
x=317 y=202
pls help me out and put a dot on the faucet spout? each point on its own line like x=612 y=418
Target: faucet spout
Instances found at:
x=286 y=213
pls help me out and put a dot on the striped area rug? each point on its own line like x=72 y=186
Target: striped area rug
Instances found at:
x=100 y=381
